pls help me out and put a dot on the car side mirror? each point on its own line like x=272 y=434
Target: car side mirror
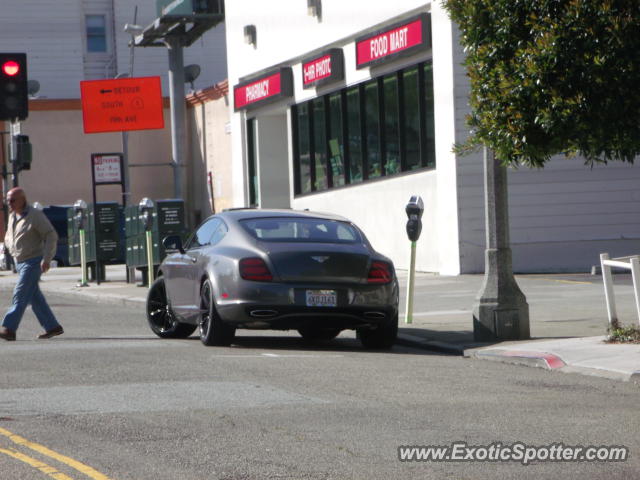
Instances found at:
x=173 y=243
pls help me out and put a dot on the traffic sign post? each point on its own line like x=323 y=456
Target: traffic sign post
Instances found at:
x=106 y=169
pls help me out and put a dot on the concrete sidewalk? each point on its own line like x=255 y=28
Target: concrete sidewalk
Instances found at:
x=567 y=314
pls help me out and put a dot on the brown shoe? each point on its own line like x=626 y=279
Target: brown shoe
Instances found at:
x=52 y=333
x=8 y=335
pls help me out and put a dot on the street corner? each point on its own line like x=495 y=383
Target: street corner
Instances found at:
x=583 y=355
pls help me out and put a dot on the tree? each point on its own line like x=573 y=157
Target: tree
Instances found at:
x=552 y=76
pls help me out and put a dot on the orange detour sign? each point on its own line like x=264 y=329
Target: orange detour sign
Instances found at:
x=121 y=104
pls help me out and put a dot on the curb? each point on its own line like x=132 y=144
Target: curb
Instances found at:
x=547 y=361
x=431 y=345
x=96 y=296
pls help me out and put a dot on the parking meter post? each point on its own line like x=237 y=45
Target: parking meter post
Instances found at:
x=80 y=208
x=414 y=210
x=150 y=257
x=145 y=207
x=83 y=259
x=410 y=285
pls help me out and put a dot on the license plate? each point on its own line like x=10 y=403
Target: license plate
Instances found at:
x=322 y=298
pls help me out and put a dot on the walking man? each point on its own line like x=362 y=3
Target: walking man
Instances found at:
x=31 y=240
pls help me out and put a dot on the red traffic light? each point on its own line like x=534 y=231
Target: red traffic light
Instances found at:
x=10 y=68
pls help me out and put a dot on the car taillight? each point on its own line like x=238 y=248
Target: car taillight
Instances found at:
x=255 y=269
x=380 y=272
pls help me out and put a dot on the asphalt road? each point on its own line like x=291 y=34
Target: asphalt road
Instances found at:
x=110 y=401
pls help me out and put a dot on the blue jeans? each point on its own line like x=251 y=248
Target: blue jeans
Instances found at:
x=27 y=291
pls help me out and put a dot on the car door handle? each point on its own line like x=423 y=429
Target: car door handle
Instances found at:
x=193 y=260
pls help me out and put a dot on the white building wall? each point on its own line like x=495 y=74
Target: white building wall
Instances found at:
x=561 y=217
x=50 y=34
x=286 y=35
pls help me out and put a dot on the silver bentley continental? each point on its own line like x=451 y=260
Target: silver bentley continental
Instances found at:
x=275 y=269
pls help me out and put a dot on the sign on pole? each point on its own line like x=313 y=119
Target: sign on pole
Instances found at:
x=122 y=104
x=107 y=168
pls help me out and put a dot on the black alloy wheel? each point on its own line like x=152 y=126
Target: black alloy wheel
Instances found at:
x=162 y=320
x=213 y=331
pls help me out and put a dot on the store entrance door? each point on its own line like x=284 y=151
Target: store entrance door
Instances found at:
x=273 y=161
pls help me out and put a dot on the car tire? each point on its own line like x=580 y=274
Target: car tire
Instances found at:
x=382 y=338
x=314 y=334
x=163 y=322
x=213 y=330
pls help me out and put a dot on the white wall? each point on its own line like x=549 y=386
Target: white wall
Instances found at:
x=378 y=209
x=49 y=32
x=286 y=34
x=561 y=217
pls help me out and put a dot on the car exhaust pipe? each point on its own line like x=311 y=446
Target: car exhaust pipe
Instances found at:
x=375 y=315
x=263 y=313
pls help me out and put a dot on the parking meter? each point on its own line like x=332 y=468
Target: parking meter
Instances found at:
x=146 y=214
x=414 y=210
x=80 y=217
x=146 y=210
x=80 y=209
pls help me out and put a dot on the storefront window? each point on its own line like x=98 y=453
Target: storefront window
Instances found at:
x=320 y=144
x=389 y=130
x=304 y=149
x=391 y=126
x=252 y=170
x=429 y=130
x=336 y=142
x=411 y=119
x=354 y=129
x=372 y=127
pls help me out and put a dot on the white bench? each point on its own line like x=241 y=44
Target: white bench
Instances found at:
x=628 y=263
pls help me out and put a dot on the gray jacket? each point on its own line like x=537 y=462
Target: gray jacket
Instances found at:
x=30 y=235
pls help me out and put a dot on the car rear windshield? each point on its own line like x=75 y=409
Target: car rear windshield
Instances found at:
x=300 y=230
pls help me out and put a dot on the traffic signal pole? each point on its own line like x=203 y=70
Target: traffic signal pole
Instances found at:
x=14 y=101
x=13 y=151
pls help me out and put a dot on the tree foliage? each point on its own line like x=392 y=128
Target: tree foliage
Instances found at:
x=552 y=76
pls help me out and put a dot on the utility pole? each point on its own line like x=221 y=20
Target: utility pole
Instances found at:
x=501 y=311
x=178 y=25
x=178 y=109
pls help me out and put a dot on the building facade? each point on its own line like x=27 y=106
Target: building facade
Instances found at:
x=69 y=41
x=351 y=108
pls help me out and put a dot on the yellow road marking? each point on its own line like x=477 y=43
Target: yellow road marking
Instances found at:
x=43 y=467
x=79 y=466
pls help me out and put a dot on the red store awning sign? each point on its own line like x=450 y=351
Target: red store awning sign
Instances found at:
x=328 y=67
x=271 y=87
x=399 y=39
